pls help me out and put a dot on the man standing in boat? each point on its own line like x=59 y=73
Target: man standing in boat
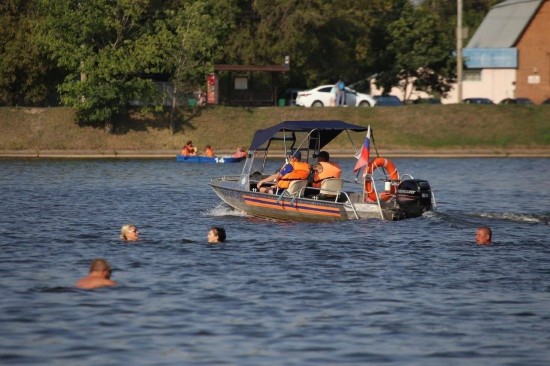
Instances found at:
x=295 y=169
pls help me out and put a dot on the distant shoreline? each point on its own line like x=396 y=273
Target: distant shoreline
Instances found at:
x=417 y=131
x=165 y=154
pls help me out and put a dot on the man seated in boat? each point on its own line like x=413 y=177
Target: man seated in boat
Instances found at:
x=240 y=153
x=208 y=151
x=324 y=169
x=189 y=149
x=295 y=169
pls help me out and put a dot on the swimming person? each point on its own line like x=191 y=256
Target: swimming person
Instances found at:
x=216 y=235
x=129 y=232
x=99 y=276
x=484 y=235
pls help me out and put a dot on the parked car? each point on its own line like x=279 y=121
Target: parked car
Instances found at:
x=387 y=101
x=516 y=101
x=289 y=96
x=427 y=101
x=477 y=101
x=320 y=97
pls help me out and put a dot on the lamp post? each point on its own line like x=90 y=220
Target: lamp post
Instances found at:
x=459 y=49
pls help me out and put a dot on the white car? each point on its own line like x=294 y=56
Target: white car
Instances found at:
x=320 y=97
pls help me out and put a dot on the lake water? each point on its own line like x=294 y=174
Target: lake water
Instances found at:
x=413 y=292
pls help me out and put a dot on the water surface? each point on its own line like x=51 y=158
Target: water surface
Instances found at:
x=413 y=292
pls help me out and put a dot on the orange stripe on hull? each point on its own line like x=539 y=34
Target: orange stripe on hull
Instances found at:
x=297 y=207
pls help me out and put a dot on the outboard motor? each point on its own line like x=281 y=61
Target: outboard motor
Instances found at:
x=414 y=196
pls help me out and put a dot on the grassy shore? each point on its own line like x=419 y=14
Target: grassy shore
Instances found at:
x=415 y=130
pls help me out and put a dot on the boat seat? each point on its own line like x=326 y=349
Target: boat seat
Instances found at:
x=295 y=189
x=331 y=189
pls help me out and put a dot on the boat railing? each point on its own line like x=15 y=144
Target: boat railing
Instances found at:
x=340 y=196
x=371 y=178
x=350 y=204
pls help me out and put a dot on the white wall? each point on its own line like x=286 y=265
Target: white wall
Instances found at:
x=495 y=84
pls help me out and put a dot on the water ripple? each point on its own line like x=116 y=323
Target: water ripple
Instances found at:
x=414 y=292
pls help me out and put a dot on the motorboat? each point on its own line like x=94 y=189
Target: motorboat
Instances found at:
x=385 y=195
x=208 y=159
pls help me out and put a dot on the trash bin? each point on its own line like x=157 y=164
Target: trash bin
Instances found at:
x=191 y=102
x=282 y=102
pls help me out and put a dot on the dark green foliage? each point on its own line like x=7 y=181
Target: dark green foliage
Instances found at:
x=421 y=52
x=27 y=76
x=104 y=54
x=101 y=43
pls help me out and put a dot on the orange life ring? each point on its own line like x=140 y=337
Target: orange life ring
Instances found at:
x=392 y=171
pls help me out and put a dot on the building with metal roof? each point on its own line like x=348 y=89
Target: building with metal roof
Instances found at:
x=509 y=54
x=504 y=24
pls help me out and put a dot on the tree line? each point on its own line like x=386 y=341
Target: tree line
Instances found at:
x=98 y=56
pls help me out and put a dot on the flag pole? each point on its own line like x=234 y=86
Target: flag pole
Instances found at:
x=360 y=156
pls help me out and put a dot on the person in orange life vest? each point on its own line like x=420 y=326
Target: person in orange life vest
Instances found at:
x=208 y=151
x=240 y=153
x=324 y=169
x=295 y=169
x=189 y=149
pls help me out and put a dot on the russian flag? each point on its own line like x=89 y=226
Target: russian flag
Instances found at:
x=364 y=154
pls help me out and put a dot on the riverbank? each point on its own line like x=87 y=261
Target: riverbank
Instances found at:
x=151 y=154
x=408 y=131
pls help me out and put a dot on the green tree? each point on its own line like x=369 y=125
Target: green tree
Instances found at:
x=325 y=40
x=190 y=35
x=421 y=53
x=446 y=11
x=27 y=77
x=99 y=43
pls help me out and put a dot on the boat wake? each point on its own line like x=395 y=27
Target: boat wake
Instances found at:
x=224 y=210
x=468 y=218
x=515 y=217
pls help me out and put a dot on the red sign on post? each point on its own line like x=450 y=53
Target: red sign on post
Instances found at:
x=212 y=89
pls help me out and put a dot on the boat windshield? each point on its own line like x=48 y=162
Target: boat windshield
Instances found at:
x=281 y=145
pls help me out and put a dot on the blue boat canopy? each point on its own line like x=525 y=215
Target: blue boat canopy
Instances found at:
x=328 y=130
